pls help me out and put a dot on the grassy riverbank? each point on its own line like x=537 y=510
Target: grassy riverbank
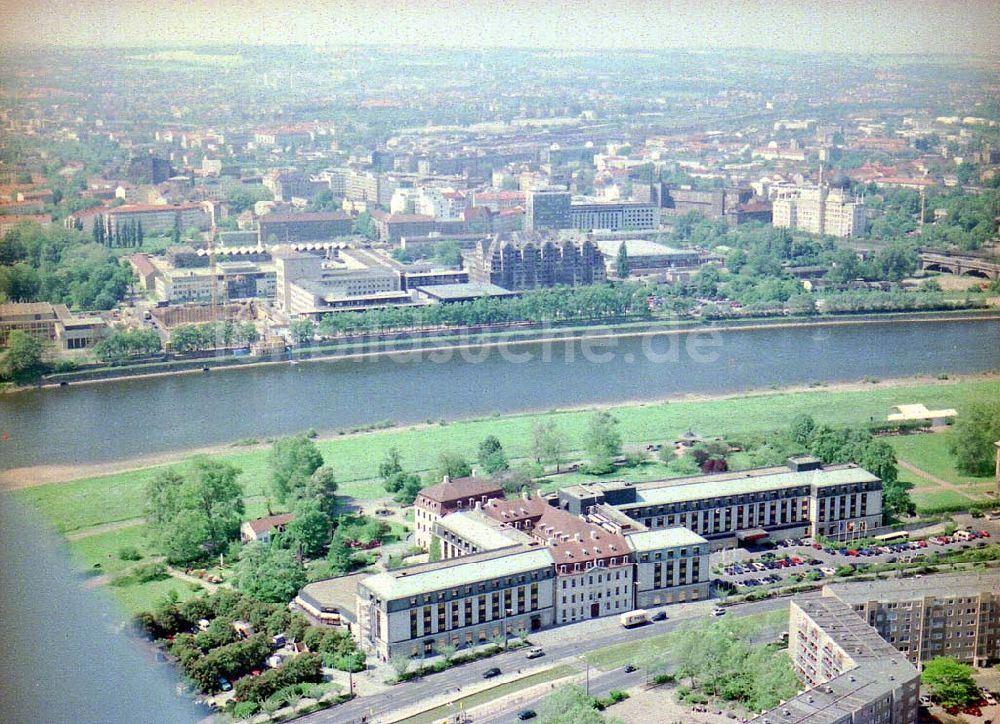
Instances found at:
x=105 y=499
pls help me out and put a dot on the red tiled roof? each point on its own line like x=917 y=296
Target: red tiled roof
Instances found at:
x=570 y=538
x=312 y=216
x=263 y=525
x=460 y=489
x=151 y=208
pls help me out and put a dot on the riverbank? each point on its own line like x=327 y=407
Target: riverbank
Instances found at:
x=40 y=475
x=410 y=346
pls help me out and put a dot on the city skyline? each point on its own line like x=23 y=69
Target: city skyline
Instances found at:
x=850 y=27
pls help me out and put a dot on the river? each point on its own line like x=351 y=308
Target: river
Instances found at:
x=124 y=419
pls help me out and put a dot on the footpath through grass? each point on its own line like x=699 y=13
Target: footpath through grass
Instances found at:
x=930 y=452
x=104 y=499
x=491 y=694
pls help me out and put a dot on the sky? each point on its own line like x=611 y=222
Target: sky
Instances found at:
x=851 y=26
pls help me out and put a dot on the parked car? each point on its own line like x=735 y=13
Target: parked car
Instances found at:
x=718 y=611
x=490 y=673
x=659 y=616
x=629 y=668
x=535 y=653
x=224 y=684
x=525 y=714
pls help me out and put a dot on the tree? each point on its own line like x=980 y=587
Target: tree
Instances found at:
x=309 y=530
x=22 y=362
x=292 y=461
x=448 y=253
x=950 y=682
x=491 y=456
x=364 y=225
x=321 y=487
x=392 y=464
x=976 y=431
x=569 y=704
x=801 y=428
x=197 y=514
x=602 y=441
x=400 y=663
x=339 y=556
x=801 y=305
x=547 y=443
x=621 y=261
x=452 y=465
x=302 y=331
x=269 y=572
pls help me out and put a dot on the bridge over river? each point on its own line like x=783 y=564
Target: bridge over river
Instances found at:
x=976 y=265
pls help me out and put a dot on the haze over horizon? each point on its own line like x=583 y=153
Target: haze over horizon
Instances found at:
x=891 y=27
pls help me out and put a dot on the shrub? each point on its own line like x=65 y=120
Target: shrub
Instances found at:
x=664 y=679
x=129 y=553
x=144 y=573
x=245 y=709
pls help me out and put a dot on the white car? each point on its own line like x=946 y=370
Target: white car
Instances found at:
x=718 y=611
x=827 y=571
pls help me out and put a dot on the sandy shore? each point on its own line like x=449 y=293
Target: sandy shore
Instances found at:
x=46 y=474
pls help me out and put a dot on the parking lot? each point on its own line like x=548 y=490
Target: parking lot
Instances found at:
x=748 y=569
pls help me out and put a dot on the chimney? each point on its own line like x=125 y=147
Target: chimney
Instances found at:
x=593 y=535
x=578 y=538
x=446 y=479
x=526 y=494
x=479 y=505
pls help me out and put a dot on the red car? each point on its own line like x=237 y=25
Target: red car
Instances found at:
x=972 y=711
x=983 y=533
x=796 y=560
x=853 y=553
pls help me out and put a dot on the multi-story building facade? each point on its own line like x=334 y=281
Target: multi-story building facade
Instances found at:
x=614 y=216
x=819 y=210
x=547 y=209
x=50 y=323
x=852 y=675
x=601 y=569
x=464 y=602
x=803 y=499
x=529 y=261
x=290 y=228
x=157 y=218
x=954 y=615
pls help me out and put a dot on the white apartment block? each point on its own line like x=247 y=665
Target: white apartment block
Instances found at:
x=819 y=210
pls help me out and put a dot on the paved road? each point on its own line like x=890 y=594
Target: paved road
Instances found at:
x=564 y=644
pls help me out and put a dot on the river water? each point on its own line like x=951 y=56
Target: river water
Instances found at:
x=92 y=423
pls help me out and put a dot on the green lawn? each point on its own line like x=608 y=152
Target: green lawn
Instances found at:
x=145 y=596
x=932 y=499
x=930 y=453
x=103 y=549
x=93 y=501
x=767 y=625
x=491 y=694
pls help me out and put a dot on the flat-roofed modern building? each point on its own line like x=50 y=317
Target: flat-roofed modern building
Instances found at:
x=471 y=532
x=671 y=566
x=852 y=675
x=646 y=256
x=952 y=615
x=803 y=499
x=416 y=611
